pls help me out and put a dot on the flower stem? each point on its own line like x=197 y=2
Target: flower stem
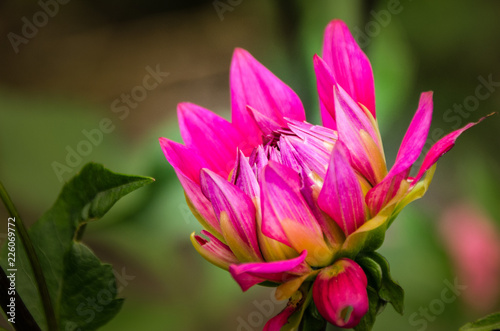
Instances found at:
x=34 y=262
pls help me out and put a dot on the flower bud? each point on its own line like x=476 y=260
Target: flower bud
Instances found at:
x=339 y=293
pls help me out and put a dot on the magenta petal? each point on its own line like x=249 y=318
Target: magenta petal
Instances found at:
x=288 y=154
x=210 y=136
x=340 y=295
x=409 y=151
x=258 y=160
x=351 y=122
x=266 y=124
x=254 y=85
x=239 y=208
x=244 y=177
x=250 y=274
x=187 y=166
x=341 y=196
x=416 y=135
x=311 y=153
x=383 y=192
x=214 y=250
x=281 y=200
x=183 y=159
x=350 y=66
x=441 y=147
x=306 y=130
x=325 y=82
x=278 y=321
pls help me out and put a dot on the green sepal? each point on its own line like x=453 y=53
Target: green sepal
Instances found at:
x=389 y=290
x=376 y=305
x=487 y=323
x=72 y=272
x=373 y=271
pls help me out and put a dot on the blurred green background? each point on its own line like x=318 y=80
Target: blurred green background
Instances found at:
x=71 y=72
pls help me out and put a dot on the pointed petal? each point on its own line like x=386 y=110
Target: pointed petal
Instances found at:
x=244 y=177
x=359 y=136
x=325 y=82
x=258 y=159
x=340 y=295
x=250 y=274
x=295 y=304
x=441 y=147
x=409 y=151
x=266 y=124
x=254 y=85
x=306 y=130
x=286 y=217
x=350 y=66
x=236 y=213
x=278 y=321
x=187 y=166
x=341 y=196
x=213 y=250
x=185 y=160
x=288 y=154
x=210 y=136
x=311 y=190
x=385 y=191
x=416 y=135
x=311 y=153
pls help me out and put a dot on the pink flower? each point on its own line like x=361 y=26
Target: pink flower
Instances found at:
x=473 y=243
x=280 y=199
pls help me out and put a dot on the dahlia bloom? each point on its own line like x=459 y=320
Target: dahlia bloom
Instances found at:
x=295 y=205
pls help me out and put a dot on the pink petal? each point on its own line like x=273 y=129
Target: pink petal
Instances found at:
x=350 y=66
x=441 y=147
x=416 y=135
x=281 y=199
x=341 y=196
x=306 y=130
x=310 y=153
x=310 y=191
x=266 y=124
x=240 y=210
x=340 y=295
x=250 y=274
x=351 y=122
x=378 y=196
x=409 y=151
x=244 y=177
x=278 y=321
x=187 y=166
x=214 y=250
x=288 y=154
x=258 y=160
x=254 y=85
x=184 y=159
x=210 y=136
x=325 y=82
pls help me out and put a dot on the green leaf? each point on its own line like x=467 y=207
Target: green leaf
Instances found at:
x=83 y=290
x=487 y=323
x=390 y=290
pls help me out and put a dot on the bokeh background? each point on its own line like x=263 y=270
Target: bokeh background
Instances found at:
x=71 y=71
